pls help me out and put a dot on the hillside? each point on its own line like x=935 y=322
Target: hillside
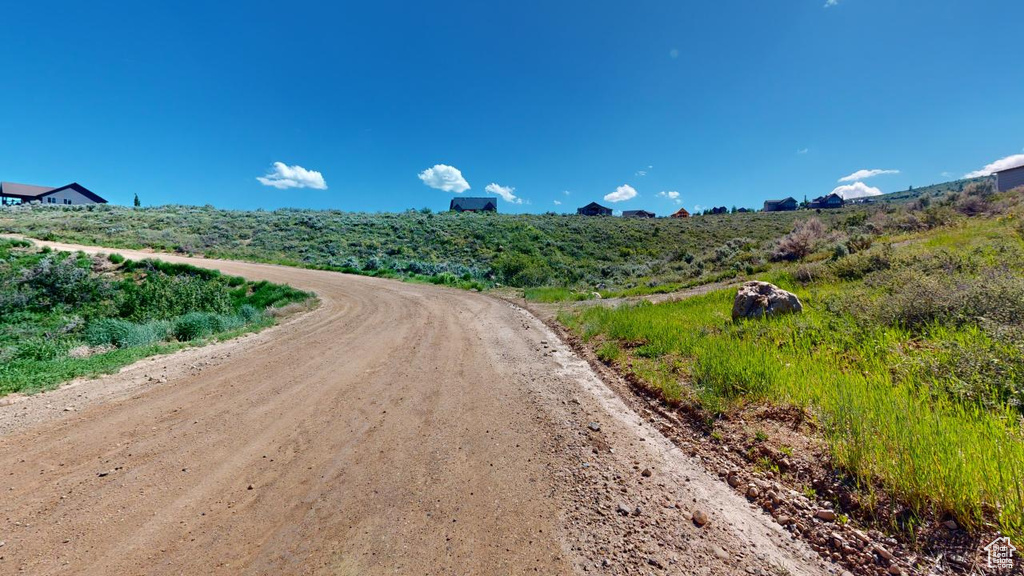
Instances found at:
x=932 y=192
x=468 y=249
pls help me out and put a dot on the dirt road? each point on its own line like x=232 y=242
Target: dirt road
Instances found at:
x=396 y=429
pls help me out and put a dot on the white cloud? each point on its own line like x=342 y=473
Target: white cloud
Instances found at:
x=856 y=190
x=444 y=177
x=671 y=195
x=558 y=202
x=506 y=192
x=283 y=176
x=1001 y=164
x=803 y=151
x=946 y=174
x=641 y=173
x=831 y=3
x=673 y=53
x=865 y=174
x=621 y=194
x=566 y=192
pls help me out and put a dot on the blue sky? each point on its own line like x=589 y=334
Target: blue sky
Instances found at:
x=724 y=103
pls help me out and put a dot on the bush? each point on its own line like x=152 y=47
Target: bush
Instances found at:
x=124 y=334
x=162 y=297
x=249 y=313
x=801 y=242
x=116 y=259
x=193 y=325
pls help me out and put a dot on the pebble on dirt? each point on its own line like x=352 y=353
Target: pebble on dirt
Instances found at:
x=700 y=518
x=594 y=426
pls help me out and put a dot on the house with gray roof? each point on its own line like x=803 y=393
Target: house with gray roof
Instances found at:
x=784 y=205
x=637 y=214
x=470 y=204
x=69 y=195
x=594 y=209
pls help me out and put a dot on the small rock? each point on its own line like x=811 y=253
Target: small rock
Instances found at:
x=655 y=562
x=250 y=487
x=102 y=474
x=646 y=473
x=700 y=518
x=895 y=570
x=594 y=426
x=826 y=515
x=950 y=524
x=735 y=480
x=719 y=553
x=752 y=492
x=882 y=552
x=624 y=509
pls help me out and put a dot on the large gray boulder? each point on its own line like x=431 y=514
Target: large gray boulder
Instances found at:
x=759 y=299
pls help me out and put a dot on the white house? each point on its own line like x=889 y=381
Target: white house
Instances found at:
x=70 y=194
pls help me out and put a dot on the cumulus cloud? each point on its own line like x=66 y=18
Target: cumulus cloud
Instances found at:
x=506 y=192
x=864 y=174
x=671 y=195
x=831 y=3
x=283 y=176
x=856 y=190
x=444 y=177
x=558 y=202
x=621 y=194
x=1001 y=164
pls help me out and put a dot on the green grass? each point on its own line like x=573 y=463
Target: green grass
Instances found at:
x=66 y=315
x=931 y=410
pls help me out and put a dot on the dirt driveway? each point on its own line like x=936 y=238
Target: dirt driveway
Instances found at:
x=396 y=429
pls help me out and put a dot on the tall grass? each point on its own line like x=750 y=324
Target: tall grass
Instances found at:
x=881 y=424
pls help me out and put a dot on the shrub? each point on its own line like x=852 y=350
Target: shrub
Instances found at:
x=115 y=259
x=124 y=334
x=801 y=242
x=249 y=313
x=193 y=325
x=161 y=296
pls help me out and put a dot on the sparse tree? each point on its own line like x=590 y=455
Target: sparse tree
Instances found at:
x=137 y=202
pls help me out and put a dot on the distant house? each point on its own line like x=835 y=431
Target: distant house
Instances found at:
x=827 y=202
x=637 y=214
x=71 y=194
x=720 y=210
x=484 y=204
x=1009 y=179
x=743 y=210
x=594 y=209
x=784 y=205
x=681 y=213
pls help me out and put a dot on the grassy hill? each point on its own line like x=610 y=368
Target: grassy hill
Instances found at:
x=468 y=249
x=932 y=192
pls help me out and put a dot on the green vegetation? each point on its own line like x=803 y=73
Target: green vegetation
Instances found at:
x=909 y=356
x=910 y=351
x=614 y=255
x=65 y=315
